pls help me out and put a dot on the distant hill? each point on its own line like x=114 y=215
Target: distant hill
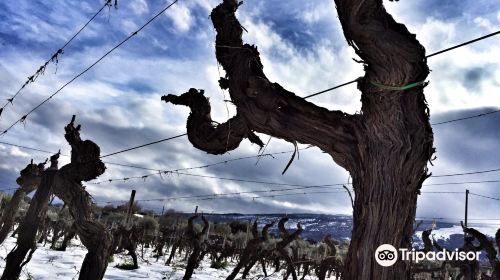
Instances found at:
x=316 y=226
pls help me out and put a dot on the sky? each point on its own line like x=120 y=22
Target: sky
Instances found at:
x=302 y=47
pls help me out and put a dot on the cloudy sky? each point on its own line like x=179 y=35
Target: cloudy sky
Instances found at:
x=302 y=47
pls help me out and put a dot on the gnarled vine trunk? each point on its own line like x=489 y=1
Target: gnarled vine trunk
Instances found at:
x=26 y=240
x=286 y=239
x=252 y=248
x=70 y=234
x=395 y=142
x=196 y=239
x=126 y=239
x=85 y=165
x=66 y=183
x=9 y=214
x=385 y=148
x=28 y=182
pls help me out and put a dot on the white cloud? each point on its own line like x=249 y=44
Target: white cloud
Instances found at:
x=139 y=7
x=16 y=152
x=129 y=26
x=484 y=22
x=435 y=34
x=119 y=100
x=320 y=11
x=309 y=71
x=181 y=17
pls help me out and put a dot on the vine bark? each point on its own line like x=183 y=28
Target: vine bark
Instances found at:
x=26 y=240
x=85 y=165
x=29 y=180
x=385 y=148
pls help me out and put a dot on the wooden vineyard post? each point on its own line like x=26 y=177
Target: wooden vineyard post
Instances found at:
x=248 y=232
x=466 y=205
x=127 y=219
x=130 y=205
x=208 y=232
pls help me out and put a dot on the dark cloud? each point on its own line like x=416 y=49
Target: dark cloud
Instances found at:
x=464 y=146
x=474 y=77
x=450 y=9
x=470 y=143
x=7 y=178
x=301 y=24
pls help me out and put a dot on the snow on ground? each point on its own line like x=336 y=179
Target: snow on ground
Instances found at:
x=445 y=233
x=48 y=264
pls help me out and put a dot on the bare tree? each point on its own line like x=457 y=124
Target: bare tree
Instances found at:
x=252 y=249
x=69 y=234
x=286 y=239
x=26 y=240
x=195 y=239
x=385 y=148
x=330 y=262
x=261 y=252
x=85 y=165
x=474 y=241
x=488 y=247
x=29 y=180
x=126 y=239
x=66 y=183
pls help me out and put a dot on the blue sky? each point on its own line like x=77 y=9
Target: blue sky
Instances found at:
x=302 y=48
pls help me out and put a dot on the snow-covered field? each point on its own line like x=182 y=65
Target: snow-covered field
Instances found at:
x=445 y=233
x=48 y=264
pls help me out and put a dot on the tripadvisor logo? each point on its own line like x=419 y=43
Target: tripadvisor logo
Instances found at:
x=387 y=255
